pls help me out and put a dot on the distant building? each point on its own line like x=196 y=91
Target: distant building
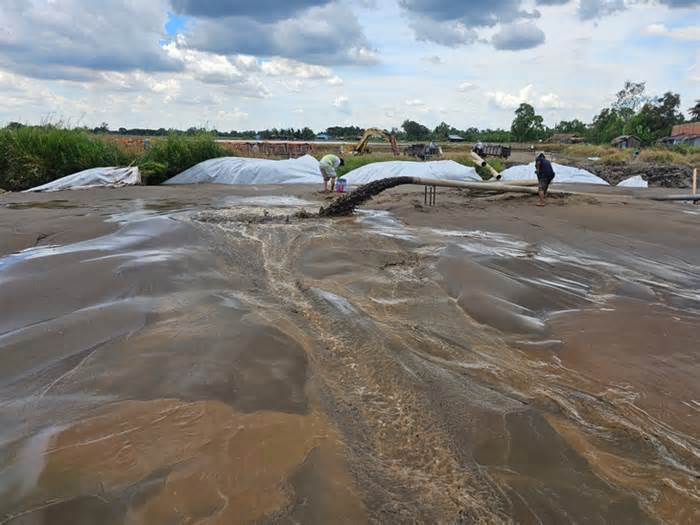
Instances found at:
x=323 y=136
x=455 y=138
x=688 y=133
x=565 y=138
x=626 y=141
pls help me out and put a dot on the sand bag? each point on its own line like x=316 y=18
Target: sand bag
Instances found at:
x=634 y=182
x=241 y=170
x=94 y=178
x=440 y=169
x=564 y=174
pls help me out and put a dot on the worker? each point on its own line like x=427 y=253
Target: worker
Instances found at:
x=328 y=165
x=479 y=149
x=545 y=176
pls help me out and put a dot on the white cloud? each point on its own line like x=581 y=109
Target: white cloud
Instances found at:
x=342 y=103
x=550 y=101
x=11 y=82
x=465 y=87
x=335 y=81
x=235 y=115
x=414 y=102
x=503 y=100
x=139 y=81
x=691 y=33
x=519 y=36
x=446 y=33
x=528 y=94
x=434 y=60
x=694 y=70
x=294 y=85
x=292 y=68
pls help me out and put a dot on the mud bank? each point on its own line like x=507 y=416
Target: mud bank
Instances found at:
x=483 y=360
x=657 y=175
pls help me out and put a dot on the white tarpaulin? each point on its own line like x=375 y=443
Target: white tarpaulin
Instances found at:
x=241 y=170
x=439 y=169
x=94 y=178
x=563 y=173
x=634 y=182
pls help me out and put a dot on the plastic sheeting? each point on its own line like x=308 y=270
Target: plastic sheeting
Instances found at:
x=565 y=174
x=634 y=182
x=240 y=170
x=94 y=178
x=439 y=169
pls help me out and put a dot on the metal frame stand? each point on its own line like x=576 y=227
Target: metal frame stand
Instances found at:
x=430 y=195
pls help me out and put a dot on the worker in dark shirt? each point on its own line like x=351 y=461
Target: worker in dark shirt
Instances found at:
x=545 y=176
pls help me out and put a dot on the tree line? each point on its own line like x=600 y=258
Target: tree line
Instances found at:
x=632 y=113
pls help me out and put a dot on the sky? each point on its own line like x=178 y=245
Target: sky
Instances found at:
x=237 y=64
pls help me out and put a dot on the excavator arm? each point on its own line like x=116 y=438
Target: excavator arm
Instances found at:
x=362 y=146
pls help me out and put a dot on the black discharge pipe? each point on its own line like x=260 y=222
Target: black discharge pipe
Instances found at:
x=346 y=204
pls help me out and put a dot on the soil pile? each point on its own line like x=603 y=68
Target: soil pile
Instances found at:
x=657 y=175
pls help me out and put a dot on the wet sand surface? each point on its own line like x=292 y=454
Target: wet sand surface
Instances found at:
x=200 y=355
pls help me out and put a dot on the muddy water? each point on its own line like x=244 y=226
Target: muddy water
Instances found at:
x=198 y=366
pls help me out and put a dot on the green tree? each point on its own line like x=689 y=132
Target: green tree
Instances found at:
x=656 y=118
x=695 y=111
x=630 y=98
x=443 y=130
x=307 y=134
x=571 y=126
x=102 y=128
x=415 y=131
x=606 y=125
x=527 y=124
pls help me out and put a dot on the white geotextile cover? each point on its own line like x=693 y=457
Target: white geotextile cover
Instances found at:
x=94 y=178
x=634 y=182
x=438 y=169
x=241 y=170
x=562 y=173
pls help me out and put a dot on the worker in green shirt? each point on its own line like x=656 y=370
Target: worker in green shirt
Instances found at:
x=328 y=165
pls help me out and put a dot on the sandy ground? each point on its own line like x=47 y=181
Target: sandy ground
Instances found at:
x=198 y=355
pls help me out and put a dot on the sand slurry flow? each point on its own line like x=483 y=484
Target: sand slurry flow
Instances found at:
x=219 y=355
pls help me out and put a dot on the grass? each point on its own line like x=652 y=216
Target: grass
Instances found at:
x=175 y=154
x=34 y=155
x=31 y=156
x=589 y=150
x=683 y=155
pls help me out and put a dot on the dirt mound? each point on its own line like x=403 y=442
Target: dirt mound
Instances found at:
x=657 y=175
x=346 y=204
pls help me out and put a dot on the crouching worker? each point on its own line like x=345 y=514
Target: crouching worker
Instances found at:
x=545 y=176
x=328 y=165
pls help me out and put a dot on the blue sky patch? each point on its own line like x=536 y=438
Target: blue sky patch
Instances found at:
x=175 y=24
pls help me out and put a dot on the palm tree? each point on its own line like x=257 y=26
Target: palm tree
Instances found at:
x=695 y=111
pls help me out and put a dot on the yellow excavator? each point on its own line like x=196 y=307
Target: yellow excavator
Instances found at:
x=363 y=146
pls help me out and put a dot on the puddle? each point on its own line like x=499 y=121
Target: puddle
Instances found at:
x=384 y=223
x=117 y=243
x=28 y=254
